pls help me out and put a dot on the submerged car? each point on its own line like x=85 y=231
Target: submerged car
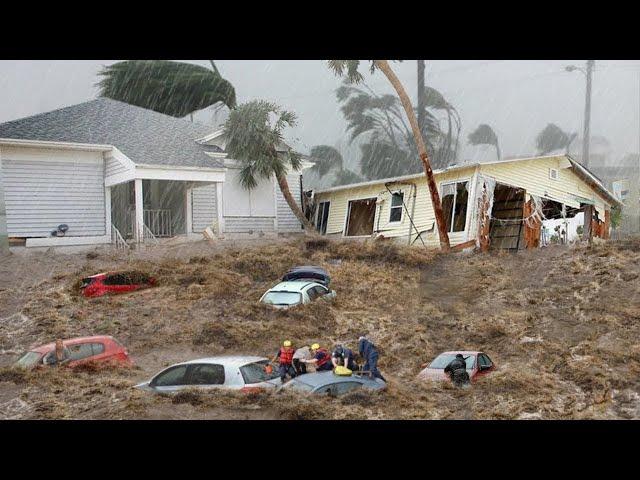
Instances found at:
x=289 y=294
x=309 y=273
x=478 y=364
x=328 y=383
x=115 y=282
x=230 y=372
x=78 y=351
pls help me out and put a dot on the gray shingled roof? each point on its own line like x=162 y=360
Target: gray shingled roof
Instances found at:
x=145 y=136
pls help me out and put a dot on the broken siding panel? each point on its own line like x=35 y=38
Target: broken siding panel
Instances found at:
x=249 y=224
x=203 y=209
x=287 y=221
x=44 y=189
x=533 y=176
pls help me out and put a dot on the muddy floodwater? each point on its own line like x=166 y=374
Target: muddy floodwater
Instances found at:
x=561 y=323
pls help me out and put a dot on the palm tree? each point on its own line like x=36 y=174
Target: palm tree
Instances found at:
x=256 y=142
x=551 y=138
x=172 y=88
x=484 y=135
x=326 y=158
x=345 y=177
x=350 y=69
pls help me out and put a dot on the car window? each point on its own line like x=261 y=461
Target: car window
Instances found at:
x=29 y=359
x=80 y=351
x=320 y=291
x=444 y=359
x=484 y=361
x=325 y=390
x=97 y=348
x=256 y=372
x=172 y=376
x=312 y=293
x=206 y=374
x=344 y=387
x=282 y=298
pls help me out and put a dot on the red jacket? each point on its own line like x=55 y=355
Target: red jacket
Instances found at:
x=326 y=357
x=286 y=355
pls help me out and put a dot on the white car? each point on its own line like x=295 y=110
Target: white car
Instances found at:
x=288 y=294
x=232 y=372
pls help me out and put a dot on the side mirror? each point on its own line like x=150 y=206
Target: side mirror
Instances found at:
x=485 y=367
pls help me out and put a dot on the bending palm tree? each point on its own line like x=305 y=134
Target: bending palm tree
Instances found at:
x=172 y=88
x=350 y=69
x=551 y=138
x=257 y=144
x=484 y=135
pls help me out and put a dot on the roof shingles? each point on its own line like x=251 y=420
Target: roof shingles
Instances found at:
x=145 y=136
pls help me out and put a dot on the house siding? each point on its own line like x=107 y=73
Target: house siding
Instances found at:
x=531 y=175
x=287 y=221
x=46 y=188
x=204 y=212
x=249 y=224
x=114 y=167
x=423 y=216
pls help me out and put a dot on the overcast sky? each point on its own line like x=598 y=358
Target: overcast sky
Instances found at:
x=517 y=98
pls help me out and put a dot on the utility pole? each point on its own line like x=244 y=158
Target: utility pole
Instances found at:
x=421 y=99
x=587 y=114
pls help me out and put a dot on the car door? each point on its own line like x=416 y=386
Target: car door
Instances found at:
x=311 y=294
x=205 y=375
x=170 y=380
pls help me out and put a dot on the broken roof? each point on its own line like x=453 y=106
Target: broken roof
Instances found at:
x=145 y=136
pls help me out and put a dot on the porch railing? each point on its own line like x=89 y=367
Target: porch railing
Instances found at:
x=158 y=221
x=117 y=239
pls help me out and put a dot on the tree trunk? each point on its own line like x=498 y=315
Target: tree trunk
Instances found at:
x=384 y=66
x=284 y=188
x=498 y=152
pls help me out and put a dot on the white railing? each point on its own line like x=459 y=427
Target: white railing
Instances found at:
x=158 y=221
x=117 y=239
x=149 y=236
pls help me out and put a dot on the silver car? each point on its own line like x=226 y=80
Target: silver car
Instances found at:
x=328 y=383
x=289 y=294
x=232 y=372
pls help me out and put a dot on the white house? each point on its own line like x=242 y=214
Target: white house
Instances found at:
x=109 y=171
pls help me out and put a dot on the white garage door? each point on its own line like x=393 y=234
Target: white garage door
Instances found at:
x=40 y=195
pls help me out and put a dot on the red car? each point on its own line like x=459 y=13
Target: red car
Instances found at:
x=478 y=364
x=78 y=351
x=115 y=282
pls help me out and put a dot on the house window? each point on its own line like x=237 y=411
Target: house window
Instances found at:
x=395 y=213
x=323 y=217
x=455 y=197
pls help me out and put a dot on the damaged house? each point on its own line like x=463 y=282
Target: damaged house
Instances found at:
x=493 y=205
x=104 y=171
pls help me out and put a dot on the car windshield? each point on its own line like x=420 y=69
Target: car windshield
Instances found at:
x=29 y=359
x=282 y=298
x=257 y=372
x=445 y=359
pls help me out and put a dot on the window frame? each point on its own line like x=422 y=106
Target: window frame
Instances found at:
x=401 y=207
x=319 y=217
x=377 y=213
x=455 y=197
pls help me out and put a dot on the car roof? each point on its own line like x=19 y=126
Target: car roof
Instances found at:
x=293 y=286
x=463 y=352
x=71 y=341
x=318 y=379
x=229 y=360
